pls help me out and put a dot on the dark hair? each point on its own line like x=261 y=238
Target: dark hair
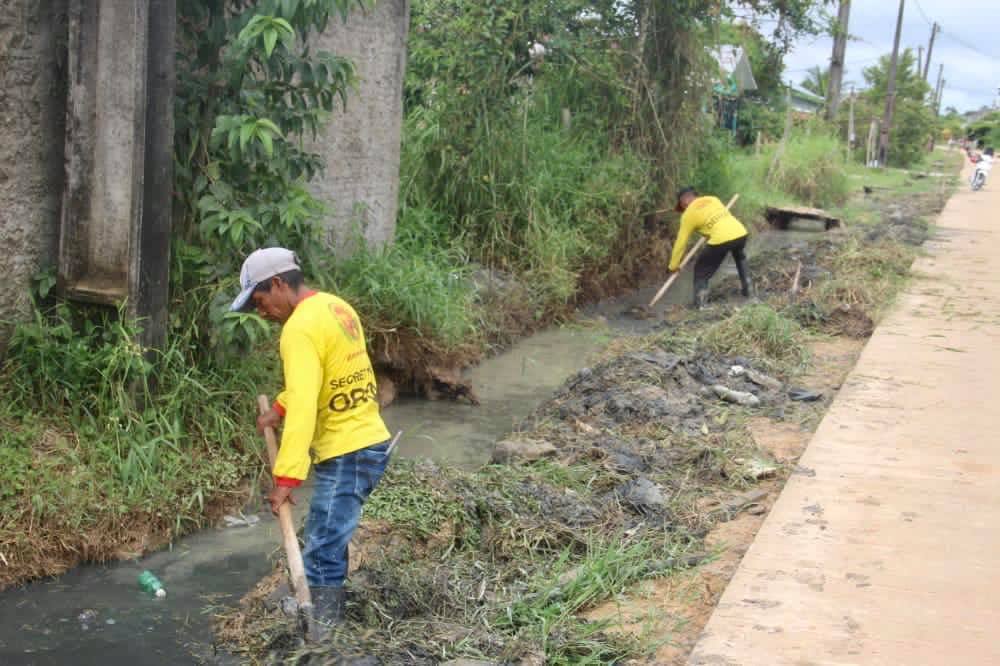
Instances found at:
x=989 y=151
x=293 y=279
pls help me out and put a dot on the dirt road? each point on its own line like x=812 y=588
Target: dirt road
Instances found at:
x=884 y=547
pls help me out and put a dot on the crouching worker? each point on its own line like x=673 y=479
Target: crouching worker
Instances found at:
x=709 y=217
x=330 y=415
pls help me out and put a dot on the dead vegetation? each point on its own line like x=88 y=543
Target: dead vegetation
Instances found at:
x=500 y=562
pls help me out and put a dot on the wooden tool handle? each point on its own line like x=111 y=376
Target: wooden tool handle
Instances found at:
x=694 y=251
x=296 y=568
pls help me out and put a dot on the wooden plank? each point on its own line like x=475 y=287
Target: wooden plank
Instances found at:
x=781 y=216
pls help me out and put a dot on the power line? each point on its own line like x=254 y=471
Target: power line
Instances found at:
x=923 y=13
x=967 y=45
x=955 y=38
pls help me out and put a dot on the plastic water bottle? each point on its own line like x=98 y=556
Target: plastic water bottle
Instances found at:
x=151 y=584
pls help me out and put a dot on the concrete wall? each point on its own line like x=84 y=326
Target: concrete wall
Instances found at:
x=361 y=146
x=32 y=119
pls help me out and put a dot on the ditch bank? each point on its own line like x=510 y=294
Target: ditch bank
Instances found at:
x=616 y=490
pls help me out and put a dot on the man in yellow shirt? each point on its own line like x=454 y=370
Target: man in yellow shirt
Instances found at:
x=330 y=413
x=726 y=235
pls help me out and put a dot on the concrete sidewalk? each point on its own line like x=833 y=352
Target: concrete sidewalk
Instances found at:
x=884 y=547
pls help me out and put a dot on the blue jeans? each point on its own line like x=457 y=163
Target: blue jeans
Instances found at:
x=342 y=484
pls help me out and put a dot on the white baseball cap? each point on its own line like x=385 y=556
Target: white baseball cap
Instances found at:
x=263 y=265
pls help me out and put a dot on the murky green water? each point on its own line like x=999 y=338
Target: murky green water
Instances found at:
x=41 y=623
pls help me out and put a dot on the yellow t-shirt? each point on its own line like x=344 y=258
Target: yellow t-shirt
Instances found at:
x=709 y=217
x=329 y=399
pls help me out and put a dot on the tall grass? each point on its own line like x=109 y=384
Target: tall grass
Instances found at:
x=521 y=193
x=811 y=171
x=107 y=445
x=763 y=333
x=413 y=284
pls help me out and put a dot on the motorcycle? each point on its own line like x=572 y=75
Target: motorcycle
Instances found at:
x=978 y=179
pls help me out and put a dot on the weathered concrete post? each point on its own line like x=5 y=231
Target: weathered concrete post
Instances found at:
x=361 y=145
x=32 y=116
x=114 y=240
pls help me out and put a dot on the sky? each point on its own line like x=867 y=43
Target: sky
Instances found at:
x=972 y=78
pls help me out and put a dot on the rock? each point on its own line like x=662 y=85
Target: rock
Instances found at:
x=522 y=450
x=643 y=494
x=765 y=381
x=622 y=461
x=738 y=397
x=737 y=371
x=804 y=395
x=468 y=662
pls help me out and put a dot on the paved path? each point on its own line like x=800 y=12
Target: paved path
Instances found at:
x=884 y=547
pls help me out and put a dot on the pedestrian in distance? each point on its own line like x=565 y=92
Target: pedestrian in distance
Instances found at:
x=725 y=234
x=329 y=412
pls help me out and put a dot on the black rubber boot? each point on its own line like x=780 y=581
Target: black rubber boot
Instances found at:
x=700 y=293
x=743 y=268
x=329 y=604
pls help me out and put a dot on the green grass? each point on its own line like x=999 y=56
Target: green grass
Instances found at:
x=761 y=332
x=418 y=286
x=100 y=461
x=810 y=171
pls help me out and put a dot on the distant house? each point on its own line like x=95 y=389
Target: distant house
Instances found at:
x=735 y=78
x=803 y=101
x=735 y=72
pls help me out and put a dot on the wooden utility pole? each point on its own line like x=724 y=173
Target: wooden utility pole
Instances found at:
x=837 y=60
x=871 y=146
x=930 y=50
x=940 y=94
x=920 y=60
x=850 y=128
x=937 y=86
x=890 y=97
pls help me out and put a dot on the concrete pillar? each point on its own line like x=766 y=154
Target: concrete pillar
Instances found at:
x=32 y=103
x=360 y=145
x=114 y=240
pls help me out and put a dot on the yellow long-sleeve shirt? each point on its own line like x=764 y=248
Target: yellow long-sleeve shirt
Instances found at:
x=709 y=217
x=329 y=402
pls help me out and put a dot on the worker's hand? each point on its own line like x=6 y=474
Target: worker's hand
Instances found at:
x=269 y=419
x=279 y=495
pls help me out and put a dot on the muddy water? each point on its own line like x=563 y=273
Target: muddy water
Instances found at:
x=97 y=614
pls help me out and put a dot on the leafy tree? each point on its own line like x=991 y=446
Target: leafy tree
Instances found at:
x=986 y=131
x=817 y=80
x=249 y=89
x=914 y=121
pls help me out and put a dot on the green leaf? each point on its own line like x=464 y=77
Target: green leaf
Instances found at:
x=270 y=39
x=268 y=143
x=245 y=132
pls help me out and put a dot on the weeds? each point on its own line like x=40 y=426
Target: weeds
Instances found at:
x=501 y=562
x=102 y=465
x=762 y=333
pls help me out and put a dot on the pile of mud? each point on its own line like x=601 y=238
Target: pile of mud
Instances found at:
x=612 y=471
